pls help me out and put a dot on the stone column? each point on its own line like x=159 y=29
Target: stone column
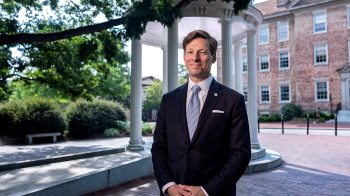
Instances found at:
x=238 y=66
x=227 y=70
x=252 y=88
x=173 y=56
x=165 y=69
x=135 y=142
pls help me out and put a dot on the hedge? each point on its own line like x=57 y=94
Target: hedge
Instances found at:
x=86 y=118
x=21 y=117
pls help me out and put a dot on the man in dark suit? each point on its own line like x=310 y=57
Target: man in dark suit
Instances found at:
x=211 y=157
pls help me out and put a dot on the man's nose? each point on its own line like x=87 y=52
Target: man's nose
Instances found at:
x=196 y=56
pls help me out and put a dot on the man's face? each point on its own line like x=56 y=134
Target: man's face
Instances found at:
x=198 y=59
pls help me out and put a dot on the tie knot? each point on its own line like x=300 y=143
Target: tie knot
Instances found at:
x=195 y=89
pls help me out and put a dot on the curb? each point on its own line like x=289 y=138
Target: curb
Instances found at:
x=56 y=159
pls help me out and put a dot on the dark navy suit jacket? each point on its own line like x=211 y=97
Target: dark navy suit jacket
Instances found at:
x=219 y=152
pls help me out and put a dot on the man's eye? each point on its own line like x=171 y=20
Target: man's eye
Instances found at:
x=203 y=52
x=189 y=52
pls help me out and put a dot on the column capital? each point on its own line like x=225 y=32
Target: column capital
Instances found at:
x=251 y=31
x=238 y=42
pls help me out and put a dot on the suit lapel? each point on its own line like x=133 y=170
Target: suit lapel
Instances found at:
x=214 y=95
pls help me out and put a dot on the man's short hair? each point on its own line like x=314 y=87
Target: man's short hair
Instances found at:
x=213 y=44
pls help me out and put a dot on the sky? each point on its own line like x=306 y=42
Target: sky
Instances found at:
x=152 y=59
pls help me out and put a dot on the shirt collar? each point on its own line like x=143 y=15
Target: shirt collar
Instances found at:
x=204 y=85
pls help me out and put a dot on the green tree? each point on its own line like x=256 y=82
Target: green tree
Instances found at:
x=134 y=17
x=153 y=96
x=84 y=66
x=86 y=47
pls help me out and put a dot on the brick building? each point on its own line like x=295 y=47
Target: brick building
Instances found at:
x=303 y=50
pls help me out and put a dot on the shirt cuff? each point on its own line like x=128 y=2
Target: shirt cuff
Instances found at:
x=166 y=186
x=205 y=192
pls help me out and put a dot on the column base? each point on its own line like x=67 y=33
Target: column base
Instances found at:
x=135 y=148
x=135 y=145
x=255 y=145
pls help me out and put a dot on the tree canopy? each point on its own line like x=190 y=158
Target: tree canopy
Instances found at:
x=63 y=47
x=72 y=18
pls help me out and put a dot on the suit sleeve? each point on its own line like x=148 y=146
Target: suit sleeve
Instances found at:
x=239 y=152
x=159 y=148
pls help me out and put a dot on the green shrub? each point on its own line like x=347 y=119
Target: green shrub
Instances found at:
x=290 y=111
x=111 y=132
x=31 y=116
x=89 y=118
x=269 y=118
x=147 y=129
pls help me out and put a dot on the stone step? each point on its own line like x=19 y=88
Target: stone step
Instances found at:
x=257 y=153
x=76 y=177
x=271 y=160
x=343 y=116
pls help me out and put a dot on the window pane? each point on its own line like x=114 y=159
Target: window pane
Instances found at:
x=348 y=16
x=284 y=61
x=320 y=22
x=282 y=31
x=322 y=91
x=321 y=54
x=265 y=94
x=264 y=34
x=264 y=62
x=284 y=92
x=245 y=64
x=245 y=93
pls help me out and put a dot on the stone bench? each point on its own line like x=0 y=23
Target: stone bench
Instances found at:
x=31 y=136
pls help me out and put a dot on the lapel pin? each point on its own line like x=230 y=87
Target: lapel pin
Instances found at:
x=215 y=94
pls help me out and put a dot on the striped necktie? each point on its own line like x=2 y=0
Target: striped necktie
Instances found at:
x=193 y=110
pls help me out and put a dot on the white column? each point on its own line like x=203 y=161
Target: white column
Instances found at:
x=173 y=57
x=343 y=92
x=165 y=69
x=252 y=88
x=238 y=66
x=135 y=142
x=227 y=70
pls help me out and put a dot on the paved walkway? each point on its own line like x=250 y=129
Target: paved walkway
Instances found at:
x=313 y=165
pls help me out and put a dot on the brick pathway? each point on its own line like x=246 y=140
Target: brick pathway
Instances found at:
x=313 y=165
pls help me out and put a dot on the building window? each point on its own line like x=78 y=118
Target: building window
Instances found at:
x=264 y=62
x=282 y=31
x=283 y=60
x=320 y=54
x=348 y=13
x=245 y=63
x=284 y=93
x=245 y=93
x=265 y=94
x=321 y=88
x=320 y=22
x=264 y=34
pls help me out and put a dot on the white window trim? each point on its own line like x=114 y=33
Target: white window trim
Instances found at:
x=315 y=46
x=278 y=29
x=313 y=21
x=279 y=60
x=348 y=16
x=268 y=61
x=268 y=34
x=265 y=102
x=348 y=49
x=315 y=90
x=279 y=92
